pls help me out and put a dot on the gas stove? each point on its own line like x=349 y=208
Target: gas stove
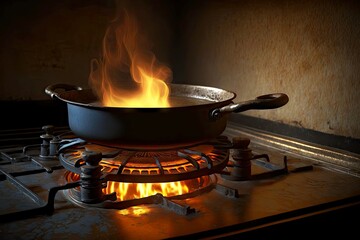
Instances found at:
x=246 y=183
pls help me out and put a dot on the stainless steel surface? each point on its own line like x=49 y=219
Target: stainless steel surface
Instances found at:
x=347 y=162
x=260 y=203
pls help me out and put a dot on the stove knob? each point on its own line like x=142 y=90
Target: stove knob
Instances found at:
x=49 y=130
x=54 y=145
x=92 y=158
x=241 y=158
x=46 y=138
x=241 y=153
x=241 y=142
x=91 y=182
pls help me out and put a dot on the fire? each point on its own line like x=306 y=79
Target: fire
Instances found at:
x=128 y=191
x=128 y=74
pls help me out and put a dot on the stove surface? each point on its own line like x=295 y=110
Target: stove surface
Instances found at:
x=318 y=181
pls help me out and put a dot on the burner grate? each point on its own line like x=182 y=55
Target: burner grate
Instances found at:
x=122 y=165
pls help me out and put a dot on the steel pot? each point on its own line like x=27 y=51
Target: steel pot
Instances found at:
x=203 y=118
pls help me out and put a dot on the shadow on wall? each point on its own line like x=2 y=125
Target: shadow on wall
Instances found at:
x=46 y=42
x=309 y=50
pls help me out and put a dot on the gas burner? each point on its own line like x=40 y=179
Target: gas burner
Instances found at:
x=86 y=195
x=114 y=174
x=122 y=165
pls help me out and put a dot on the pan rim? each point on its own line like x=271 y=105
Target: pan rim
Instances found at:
x=231 y=95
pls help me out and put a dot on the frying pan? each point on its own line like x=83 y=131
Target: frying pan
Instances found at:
x=200 y=114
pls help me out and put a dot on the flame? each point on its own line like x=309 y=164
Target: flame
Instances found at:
x=128 y=191
x=128 y=74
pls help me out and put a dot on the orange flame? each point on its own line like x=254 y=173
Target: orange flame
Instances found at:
x=125 y=58
x=127 y=191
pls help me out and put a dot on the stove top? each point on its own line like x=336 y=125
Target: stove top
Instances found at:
x=290 y=185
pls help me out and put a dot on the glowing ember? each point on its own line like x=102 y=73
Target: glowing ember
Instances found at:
x=135 y=211
x=126 y=59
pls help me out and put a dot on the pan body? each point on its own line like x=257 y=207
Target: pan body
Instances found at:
x=187 y=123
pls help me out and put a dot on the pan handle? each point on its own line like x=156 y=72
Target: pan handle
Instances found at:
x=268 y=101
x=52 y=89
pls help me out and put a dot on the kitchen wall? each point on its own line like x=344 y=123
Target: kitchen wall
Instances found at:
x=45 y=42
x=309 y=50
